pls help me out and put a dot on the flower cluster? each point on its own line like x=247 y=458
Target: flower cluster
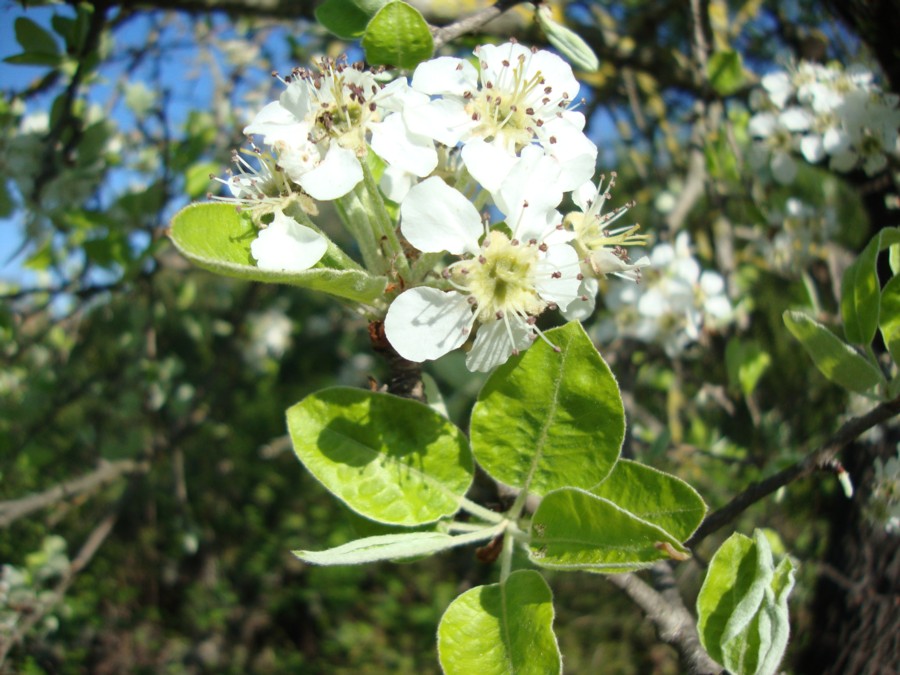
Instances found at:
x=672 y=305
x=458 y=143
x=823 y=111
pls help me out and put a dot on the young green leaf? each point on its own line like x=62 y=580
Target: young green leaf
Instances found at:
x=501 y=628
x=746 y=363
x=217 y=238
x=398 y=36
x=889 y=317
x=566 y=41
x=575 y=530
x=860 y=292
x=742 y=606
x=344 y=18
x=836 y=359
x=653 y=496
x=550 y=419
x=725 y=70
x=392 y=547
x=34 y=39
x=390 y=459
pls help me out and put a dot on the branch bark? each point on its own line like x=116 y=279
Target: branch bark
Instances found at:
x=13 y=509
x=818 y=459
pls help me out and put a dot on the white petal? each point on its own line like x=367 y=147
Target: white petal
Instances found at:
x=338 y=173
x=445 y=75
x=425 y=323
x=287 y=246
x=444 y=120
x=488 y=163
x=812 y=148
x=532 y=180
x=493 y=346
x=392 y=141
x=584 y=195
x=583 y=306
x=435 y=217
x=395 y=183
x=562 y=290
x=576 y=153
x=795 y=119
x=784 y=169
x=761 y=125
x=274 y=122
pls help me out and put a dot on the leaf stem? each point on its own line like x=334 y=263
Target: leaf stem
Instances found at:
x=480 y=511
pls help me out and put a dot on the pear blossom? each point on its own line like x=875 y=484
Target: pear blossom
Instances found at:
x=601 y=250
x=319 y=127
x=675 y=301
x=503 y=280
x=517 y=97
x=287 y=246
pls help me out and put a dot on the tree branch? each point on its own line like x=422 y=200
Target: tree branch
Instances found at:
x=674 y=623
x=470 y=23
x=13 y=509
x=818 y=459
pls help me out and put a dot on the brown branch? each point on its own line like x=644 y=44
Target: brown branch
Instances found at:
x=673 y=621
x=13 y=509
x=821 y=458
x=470 y=23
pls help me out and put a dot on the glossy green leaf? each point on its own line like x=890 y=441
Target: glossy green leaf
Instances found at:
x=861 y=291
x=398 y=36
x=742 y=607
x=837 y=360
x=654 y=496
x=889 y=317
x=567 y=42
x=390 y=459
x=344 y=18
x=550 y=419
x=217 y=238
x=33 y=38
x=576 y=530
x=501 y=629
x=725 y=70
x=391 y=547
x=894 y=258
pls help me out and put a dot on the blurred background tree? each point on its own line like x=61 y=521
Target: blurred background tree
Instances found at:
x=149 y=499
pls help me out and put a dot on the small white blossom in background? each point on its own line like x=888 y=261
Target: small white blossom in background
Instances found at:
x=824 y=111
x=517 y=97
x=270 y=337
x=884 y=505
x=675 y=300
x=796 y=235
x=501 y=283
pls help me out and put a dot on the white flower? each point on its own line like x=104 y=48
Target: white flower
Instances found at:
x=502 y=282
x=523 y=97
x=601 y=250
x=676 y=300
x=287 y=246
x=319 y=126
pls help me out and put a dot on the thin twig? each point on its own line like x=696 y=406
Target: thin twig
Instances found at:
x=13 y=509
x=814 y=461
x=85 y=555
x=470 y=23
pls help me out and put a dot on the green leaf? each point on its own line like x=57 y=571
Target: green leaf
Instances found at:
x=217 y=238
x=860 y=292
x=894 y=258
x=725 y=70
x=653 y=496
x=742 y=607
x=197 y=180
x=33 y=59
x=889 y=317
x=33 y=38
x=390 y=459
x=550 y=419
x=399 y=36
x=575 y=530
x=566 y=41
x=746 y=363
x=501 y=629
x=836 y=359
x=343 y=18
x=391 y=547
